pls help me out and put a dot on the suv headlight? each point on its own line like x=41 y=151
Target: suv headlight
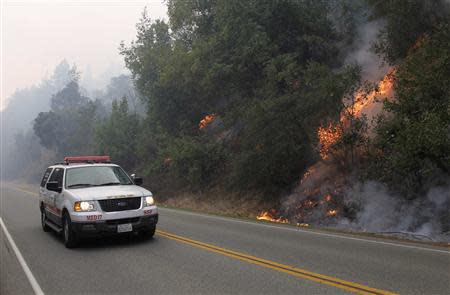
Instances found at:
x=84 y=206
x=148 y=201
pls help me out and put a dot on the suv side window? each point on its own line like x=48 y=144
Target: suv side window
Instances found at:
x=45 y=177
x=57 y=175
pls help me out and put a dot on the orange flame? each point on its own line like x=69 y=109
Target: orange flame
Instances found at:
x=332 y=212
x=308 y=173
x=328 y=136
x=265 y=215
x=206 y=121
x=363 y=101
x=303 y=224
x=309 y=203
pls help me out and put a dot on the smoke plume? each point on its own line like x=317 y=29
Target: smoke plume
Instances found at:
x=372 y=66
x=382 y=211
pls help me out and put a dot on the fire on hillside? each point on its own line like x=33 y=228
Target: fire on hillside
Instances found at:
x=321 y=186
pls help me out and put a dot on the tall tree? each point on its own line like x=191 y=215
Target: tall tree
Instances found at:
x=406 y=22
x=118 y=135
x=413 y=142
x=68 y=127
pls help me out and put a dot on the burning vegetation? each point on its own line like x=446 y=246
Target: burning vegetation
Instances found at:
x=318 y=198
x=328 y=136
x=208 y=119
x=332 y=212
x=361 y=104
x=271 y=216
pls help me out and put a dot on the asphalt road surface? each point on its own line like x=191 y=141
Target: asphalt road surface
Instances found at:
x=194 y=253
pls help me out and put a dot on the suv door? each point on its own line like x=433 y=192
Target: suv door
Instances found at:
x=42 y=188
x=52 y=196
x=45 y=177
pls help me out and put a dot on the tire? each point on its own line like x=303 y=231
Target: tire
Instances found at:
x=69 y=235
x=148 y=234
x=45 y=227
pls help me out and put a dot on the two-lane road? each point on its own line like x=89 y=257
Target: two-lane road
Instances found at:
x=195 y=253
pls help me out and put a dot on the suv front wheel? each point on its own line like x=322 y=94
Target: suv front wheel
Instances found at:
x=148 y=233
x=69 y=236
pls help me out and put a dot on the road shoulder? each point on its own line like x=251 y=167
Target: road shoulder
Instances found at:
x=12 y=277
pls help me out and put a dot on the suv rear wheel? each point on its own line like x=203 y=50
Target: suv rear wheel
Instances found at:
x=45 y=227
x=70 y=237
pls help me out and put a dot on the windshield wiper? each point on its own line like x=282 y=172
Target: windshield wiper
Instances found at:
x=79 y=185
x=108 y=183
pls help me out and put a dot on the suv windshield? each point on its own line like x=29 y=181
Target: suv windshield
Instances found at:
x=96 y=176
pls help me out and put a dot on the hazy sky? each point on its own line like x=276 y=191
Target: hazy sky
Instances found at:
x=38 y=34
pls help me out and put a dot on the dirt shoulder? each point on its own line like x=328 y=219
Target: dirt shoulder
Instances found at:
x=248 y=209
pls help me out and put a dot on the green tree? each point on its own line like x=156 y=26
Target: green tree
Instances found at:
x=406 y=22
x=195 y=162
x=274 y=147
x=279 y=139
x=68 y=127
x=267 y=68
x=413 y=141
x=118 y=135
x=68 y=98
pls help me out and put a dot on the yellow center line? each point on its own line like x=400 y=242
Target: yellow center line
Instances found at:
x=298 y=272
x=26 y=191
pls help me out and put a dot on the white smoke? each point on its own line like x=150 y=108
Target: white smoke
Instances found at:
x=383 y=212
x=372 y=66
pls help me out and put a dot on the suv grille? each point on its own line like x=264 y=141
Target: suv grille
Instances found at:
x=123 y=204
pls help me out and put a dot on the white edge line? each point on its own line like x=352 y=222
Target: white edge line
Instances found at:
x=307 y=231
x=288 y=229
x=34 y=284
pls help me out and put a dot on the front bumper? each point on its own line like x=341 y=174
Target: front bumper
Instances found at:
x=104 y=216
x=109 y=227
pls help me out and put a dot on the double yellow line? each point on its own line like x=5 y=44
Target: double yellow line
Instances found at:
x=301 y=273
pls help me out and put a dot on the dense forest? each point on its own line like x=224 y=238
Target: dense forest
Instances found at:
x=328 y=112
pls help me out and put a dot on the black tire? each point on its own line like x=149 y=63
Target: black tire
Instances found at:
x=69 y=235
x=148 y=234
x=45 y=227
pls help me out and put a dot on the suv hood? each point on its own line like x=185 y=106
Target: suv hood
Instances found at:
x=108 y=192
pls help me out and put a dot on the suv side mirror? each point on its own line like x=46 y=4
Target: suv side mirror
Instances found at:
x=138 y=180
x=54 y=186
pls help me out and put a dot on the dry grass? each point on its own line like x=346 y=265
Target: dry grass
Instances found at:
x=229 y=205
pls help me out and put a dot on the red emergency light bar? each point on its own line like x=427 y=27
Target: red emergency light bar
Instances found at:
x=87 y=159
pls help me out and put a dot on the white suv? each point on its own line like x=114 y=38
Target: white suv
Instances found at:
x=89 y=196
